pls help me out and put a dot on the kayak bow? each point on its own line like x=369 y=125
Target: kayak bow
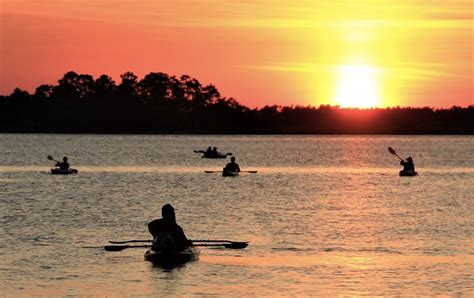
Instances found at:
x=172 y=257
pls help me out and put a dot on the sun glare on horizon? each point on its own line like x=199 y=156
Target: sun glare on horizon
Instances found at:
x=357 y=86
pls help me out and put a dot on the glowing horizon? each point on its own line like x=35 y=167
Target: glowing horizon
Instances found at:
x=365 y=54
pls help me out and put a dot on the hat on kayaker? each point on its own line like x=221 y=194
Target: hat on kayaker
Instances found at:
x=409 y=158
x=167 y=210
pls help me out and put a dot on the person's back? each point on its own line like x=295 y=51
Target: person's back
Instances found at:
x=408 y=165
x=208 y=152
x=167 y=234
x=232 y=166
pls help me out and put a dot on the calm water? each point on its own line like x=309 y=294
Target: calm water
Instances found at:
x=324 y=215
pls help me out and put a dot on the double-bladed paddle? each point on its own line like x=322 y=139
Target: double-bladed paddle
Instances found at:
x=194 y=241
x=253 y=172
x=234 y=245
x=391 y=150
x=207 y=243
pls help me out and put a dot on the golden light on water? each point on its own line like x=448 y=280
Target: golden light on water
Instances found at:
x=357 y=86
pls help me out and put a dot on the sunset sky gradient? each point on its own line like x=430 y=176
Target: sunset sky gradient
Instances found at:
x=351 y=53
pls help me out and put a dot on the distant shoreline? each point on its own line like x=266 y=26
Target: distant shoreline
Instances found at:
x=234 y=134
x=163 y=104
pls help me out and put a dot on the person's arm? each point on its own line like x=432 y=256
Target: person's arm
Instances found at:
x=153 y=227
x=181 y=238
x=237 y=167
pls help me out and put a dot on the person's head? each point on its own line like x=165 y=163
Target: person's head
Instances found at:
x=215 y=148
x=409 y=159
x=167 y=211
x=232 y=159
x=64 y=158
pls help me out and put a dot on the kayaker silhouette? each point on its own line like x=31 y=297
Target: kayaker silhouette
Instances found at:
x=232 y=166
x=208 y=152
x=64 y=165
x=167 y=234
x=408 y=165
x=214 y=152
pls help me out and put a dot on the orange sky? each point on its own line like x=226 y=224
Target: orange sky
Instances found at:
x=261 y=52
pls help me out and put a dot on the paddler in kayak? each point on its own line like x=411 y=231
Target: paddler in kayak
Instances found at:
x=214 y=152
x=167 y=234
x=232 y=166
x=208 y=152
x=408 y=165
x=64 y=165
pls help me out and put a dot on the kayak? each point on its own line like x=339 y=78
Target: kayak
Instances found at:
x=220 y=155
x=227 y=173
x=172 y=257
x=57 y=171
x=408 y=173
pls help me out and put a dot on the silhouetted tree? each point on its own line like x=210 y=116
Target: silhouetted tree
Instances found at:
x=160 y=103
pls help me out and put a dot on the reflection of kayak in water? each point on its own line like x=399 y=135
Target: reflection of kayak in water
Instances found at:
x=227 y=173
x=408 y=173
x=172 y=257
x=63 y=172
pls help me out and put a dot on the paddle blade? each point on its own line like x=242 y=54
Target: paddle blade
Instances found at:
x=223 y=245
x=115 y=247
x=122 y=247
x=391 y=150
x=211 y=171
x=49 y=157
x=236 y=245
x=230 y=154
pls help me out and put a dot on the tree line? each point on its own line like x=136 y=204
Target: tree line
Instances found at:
x=162 y=104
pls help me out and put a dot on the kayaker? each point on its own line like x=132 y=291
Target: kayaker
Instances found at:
x=214 y=152
x=232 y=166
x=208 y=152
x=167 y=234
x=408 y=165
x=64 y=165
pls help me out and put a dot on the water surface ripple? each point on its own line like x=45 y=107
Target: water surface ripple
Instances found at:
x=324 y=215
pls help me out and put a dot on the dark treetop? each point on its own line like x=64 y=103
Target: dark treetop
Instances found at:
x=160 y=103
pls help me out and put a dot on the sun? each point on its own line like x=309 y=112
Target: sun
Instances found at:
x=357 y=86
